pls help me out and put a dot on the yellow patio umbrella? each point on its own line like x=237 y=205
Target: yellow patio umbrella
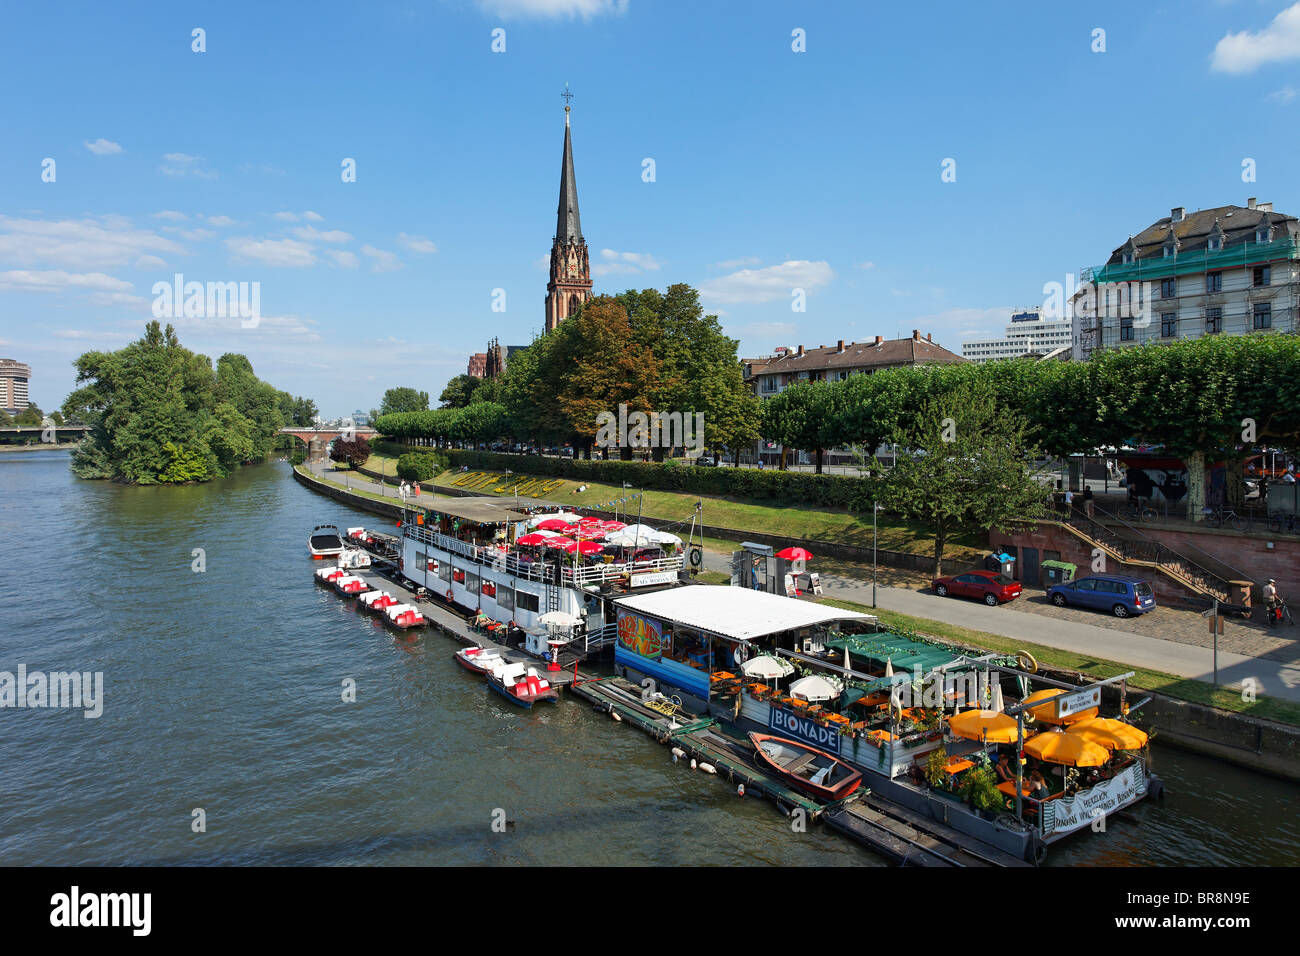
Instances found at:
x=1066 y=748
x=1111 y=734
x=1047 y=712
x=984 y=725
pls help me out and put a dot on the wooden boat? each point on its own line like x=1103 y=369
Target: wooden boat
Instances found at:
x=520 y=684
x=325 y=541
x=479 y=660
x=805 y=768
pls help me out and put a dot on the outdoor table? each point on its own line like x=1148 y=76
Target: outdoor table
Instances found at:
x=955 y=767
x=722 y=675
x=1009 y=788
x=837 y=719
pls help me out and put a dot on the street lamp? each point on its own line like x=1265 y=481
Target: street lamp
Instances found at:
x=874 y=508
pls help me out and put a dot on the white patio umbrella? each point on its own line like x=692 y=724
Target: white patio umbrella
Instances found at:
x=767 y=667
x=644 y=531
x=567 y=516
x=558 y=619
x=998 y=703
x=624 y=540
x=666 y=537
x=817 y=688
x=889 y=667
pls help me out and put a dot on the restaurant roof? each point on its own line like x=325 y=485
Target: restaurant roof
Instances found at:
x=485 y=510
x=903 y=652
x=736 y=613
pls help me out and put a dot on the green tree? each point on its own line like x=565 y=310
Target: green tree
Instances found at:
x=807 y=416
x=966 y=470
x=354 y=452
x=403 y=400
x=459 y=392
x=29 y=416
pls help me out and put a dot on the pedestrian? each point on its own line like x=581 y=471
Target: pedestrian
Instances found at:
x=1288 y=476
x=1271 y=602
x=1069 y=502
x=417 y=489
x=1087 y=501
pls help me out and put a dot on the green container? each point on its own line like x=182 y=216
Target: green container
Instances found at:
x=1058 y=572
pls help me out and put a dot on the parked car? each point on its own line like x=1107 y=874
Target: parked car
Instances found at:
x=988 y=586
x=1123 y=596
x=707 y=461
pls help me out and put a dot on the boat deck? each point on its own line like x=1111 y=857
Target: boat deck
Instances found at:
x=909 y=839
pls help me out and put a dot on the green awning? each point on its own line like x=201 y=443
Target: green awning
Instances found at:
x=904 y=653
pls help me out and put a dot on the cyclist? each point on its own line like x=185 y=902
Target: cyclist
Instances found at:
x=1271 y=601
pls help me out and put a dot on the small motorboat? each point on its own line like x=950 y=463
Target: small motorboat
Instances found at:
x=403 y=616
x=377 y=600
x=325 y=541
x=521 y=685
x=354 y=559
x=805 y=768
x=480 y=660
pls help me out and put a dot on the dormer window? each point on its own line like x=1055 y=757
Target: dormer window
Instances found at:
x=1171 y=244
x=1216 y=245
x=1128 y=258
x=1215 y=242
x=1264 y=233
x=1129 y=252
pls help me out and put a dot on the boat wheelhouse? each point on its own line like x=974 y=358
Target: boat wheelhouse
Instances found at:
x=924 y=722
x=483 y=554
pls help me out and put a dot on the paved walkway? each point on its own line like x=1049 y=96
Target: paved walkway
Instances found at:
x=1278 y=678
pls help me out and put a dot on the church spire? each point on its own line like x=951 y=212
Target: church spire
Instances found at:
x=568 y=227
x=570 y=284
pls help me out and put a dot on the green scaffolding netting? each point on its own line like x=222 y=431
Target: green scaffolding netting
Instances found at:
x=1150 y=268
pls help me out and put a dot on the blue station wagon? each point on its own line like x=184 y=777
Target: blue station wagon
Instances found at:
x=1120 y=595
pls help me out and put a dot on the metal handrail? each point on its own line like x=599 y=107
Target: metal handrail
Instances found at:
x=1152 y=551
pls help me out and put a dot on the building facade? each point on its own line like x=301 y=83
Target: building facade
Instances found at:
x=770 y=375
x=477 y=365
x=1230 y=270
x=570 y=282
x=14 y=379
x=1028 y=334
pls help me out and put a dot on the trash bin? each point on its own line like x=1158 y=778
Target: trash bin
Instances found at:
x=1058 y=572
x=1001 y=562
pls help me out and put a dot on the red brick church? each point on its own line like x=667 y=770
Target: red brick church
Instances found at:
x=570 y=283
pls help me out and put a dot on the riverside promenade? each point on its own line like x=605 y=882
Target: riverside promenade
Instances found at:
x=1274 y=675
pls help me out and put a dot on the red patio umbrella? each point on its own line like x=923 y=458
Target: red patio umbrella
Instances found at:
x=795 y=554
x=564 y=544
x=589 y=521
x=553 y=524
x=533 y=539
x=589 y=547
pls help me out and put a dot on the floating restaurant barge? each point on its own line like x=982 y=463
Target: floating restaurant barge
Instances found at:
x=891 y=706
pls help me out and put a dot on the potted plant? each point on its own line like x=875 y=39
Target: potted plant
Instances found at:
x=936 y=768
x=981 y=792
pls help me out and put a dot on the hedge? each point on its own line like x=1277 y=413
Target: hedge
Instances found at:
x=420 y=466
x=786 y=487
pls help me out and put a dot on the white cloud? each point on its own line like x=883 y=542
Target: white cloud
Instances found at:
x=624 y=263
x=1284 y=95
x=417 y=243
x=289 y=253
x=554 y=9
x=78 y=244
x=347 y=260
x=312 y=216
x=384 y=261
x=150 y=262
x=193 y=235
x=221 y=221
x=171 y=215
x=767 y=284
x=183 y=164
x=310 y=234
x=116 y=298
x=56 y=280
x=104 y=147
x=286 y=216
x=1245 y=51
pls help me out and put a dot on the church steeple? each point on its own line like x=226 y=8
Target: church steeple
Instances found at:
x=570 y=283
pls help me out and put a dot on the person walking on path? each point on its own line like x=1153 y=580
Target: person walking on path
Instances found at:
x=1087 y=501
x=1069 y=502
x=417 y=489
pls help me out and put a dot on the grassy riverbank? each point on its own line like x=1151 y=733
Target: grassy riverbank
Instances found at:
x=1180 y=688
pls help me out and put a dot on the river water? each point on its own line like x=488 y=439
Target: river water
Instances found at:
x=223 y=692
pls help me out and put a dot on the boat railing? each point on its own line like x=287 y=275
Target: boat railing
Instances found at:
x=543 y=571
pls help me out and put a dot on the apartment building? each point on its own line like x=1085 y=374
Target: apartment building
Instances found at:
x=1028 y=334
x=14 y=378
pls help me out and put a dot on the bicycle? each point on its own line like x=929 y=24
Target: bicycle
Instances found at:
x=1283 y=521
x=1217 y=519
x=1134 y=512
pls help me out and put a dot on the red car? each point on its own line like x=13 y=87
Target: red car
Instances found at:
x=989 y=586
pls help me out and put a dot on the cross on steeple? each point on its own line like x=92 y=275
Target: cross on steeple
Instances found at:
x=567 y=96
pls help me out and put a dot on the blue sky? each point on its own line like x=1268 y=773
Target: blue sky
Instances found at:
x=774 y=169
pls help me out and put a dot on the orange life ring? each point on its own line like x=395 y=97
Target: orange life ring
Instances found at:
x=449 y=596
